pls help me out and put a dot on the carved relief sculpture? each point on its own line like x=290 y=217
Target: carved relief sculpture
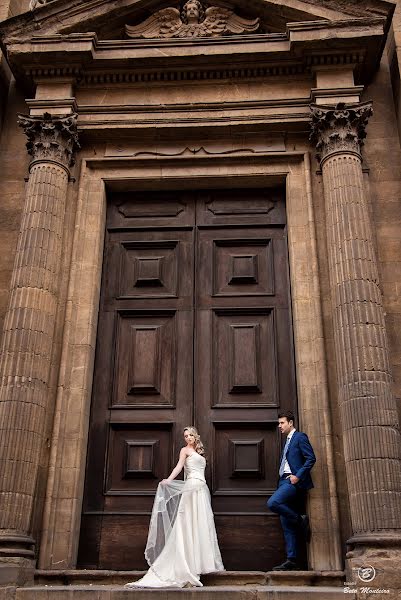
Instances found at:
x=194 y=21
x=37 y=4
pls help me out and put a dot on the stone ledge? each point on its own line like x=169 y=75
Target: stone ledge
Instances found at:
x=251 y=592
x=230 y=578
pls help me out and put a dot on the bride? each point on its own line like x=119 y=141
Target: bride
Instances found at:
x=182 y=541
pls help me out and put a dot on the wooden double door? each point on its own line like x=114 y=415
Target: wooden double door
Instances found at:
x=194 y=327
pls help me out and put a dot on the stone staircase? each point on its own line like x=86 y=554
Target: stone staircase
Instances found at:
x=108 y=585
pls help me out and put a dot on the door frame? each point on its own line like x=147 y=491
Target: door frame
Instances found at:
x=63 y=503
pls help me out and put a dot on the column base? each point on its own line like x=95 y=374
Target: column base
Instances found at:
x=387 y=539
x=18 y=546
x=374 y=569
x=17 y=560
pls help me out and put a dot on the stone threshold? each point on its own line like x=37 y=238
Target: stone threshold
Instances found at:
x=242 y=592
x=79 y=577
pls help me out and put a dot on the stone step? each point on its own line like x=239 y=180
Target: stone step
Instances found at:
x=242 y=592
x=224 y=578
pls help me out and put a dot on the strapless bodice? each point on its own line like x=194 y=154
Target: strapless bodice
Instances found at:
x=194 y=467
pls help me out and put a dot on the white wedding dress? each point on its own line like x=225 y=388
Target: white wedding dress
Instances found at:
x=182 y=541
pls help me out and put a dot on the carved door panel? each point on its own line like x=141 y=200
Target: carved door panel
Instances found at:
x=194 y=326
x=244 y=365
x=143 y=383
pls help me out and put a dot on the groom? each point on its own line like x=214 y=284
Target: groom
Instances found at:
x=288 y=501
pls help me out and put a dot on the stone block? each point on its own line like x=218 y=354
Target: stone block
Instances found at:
x=206 y=593
x=15 y=572
x=385 y=575
x=390 y=272
x=392 y=296
x=7 y=593
x=71 y=453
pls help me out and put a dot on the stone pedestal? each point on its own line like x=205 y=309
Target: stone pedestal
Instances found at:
x=29 y=330
x=370 y=426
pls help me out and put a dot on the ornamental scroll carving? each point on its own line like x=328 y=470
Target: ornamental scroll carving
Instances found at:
x=194 y=21
x=339 y=128
x=51 y=138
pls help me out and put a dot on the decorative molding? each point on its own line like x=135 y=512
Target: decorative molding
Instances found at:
x=340 y=128
x=134 y=210
x=218 y=209
x=181 y=74
x=51 y=138
x=194 y=21
x=55 y=107
x=120 y=75
x=333 y=93
x=256 y=470
x=194 y=151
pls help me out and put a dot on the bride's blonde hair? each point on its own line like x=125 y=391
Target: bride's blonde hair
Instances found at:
x=198 y=446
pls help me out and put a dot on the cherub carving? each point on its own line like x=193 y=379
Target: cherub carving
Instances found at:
x=194 y=21
x=37 y=4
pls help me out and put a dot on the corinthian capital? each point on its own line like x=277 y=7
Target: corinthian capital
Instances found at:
x=51 y=138
x=340 y=128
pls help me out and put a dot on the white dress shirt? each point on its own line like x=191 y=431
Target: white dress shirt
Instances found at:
x=287 y=468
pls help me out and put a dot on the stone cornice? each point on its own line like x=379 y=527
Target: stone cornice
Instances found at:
x=357 y=42
x=51 y=139
x=346 y=24
x=380 y=8
x=66 y=15
x=340 y=128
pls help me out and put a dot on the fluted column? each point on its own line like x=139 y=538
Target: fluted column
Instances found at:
x=30 y=325
x=370 y=426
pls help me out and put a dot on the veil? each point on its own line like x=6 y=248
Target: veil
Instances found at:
x=165 y=509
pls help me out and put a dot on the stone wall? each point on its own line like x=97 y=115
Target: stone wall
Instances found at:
x=8 y=8
x=382 y=155
x=386 y=199
x=393 y=51
x=14 y=162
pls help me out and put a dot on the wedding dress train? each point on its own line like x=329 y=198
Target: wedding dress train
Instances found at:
x=182 y=541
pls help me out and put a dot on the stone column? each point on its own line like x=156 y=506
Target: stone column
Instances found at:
x=30 y=326
x=370 y=426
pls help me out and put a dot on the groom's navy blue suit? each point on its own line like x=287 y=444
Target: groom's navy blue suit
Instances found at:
x=288 y=499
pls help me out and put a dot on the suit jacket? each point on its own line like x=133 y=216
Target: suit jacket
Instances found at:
x=301 y=458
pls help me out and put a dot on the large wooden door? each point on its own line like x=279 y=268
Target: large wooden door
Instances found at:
x=194 y=327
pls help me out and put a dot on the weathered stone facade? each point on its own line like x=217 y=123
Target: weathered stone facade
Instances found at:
x=136 y=96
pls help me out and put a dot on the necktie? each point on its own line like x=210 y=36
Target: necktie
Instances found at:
x=282 y=464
